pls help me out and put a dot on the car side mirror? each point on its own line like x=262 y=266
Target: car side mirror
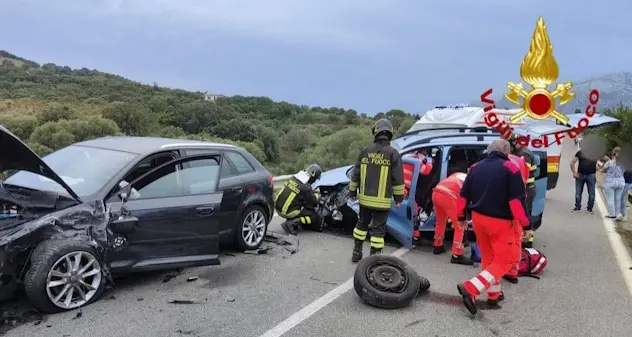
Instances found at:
x=124 y=225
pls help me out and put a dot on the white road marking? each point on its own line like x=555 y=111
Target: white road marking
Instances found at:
x=318 y=304
x=616 y=242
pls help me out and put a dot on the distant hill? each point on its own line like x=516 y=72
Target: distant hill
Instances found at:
x=51 y=106
x=614 y=89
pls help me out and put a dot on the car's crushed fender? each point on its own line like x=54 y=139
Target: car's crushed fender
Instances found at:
x=87 y=222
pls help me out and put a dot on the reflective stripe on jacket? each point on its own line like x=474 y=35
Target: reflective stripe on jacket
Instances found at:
x=379 y=176
x=290 y=200
x=452 y=185
x=528 y=157
x=522 y=165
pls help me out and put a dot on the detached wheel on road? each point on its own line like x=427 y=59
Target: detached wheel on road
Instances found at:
x=251 y=228
x=64 y=275
x=386 y=282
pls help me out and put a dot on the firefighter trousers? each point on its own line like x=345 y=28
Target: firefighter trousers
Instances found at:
x=531 y=191
x=445 y=209
x=307 y=218
x=495 y=238
x=373 y=223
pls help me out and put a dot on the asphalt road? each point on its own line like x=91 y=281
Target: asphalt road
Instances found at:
x=581 y=293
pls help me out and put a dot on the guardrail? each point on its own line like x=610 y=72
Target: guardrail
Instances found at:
x=280 y=180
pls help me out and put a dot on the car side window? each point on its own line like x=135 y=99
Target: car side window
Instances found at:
x=194 y=177
x=225 y=170
x=241 y=164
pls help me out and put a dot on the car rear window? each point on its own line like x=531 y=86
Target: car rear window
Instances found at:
x=241 y=164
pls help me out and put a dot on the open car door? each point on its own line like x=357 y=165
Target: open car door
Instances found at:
x=400 y=220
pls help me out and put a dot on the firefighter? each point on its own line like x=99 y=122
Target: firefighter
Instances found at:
x=494 y=191
x=379 y=176
x=523 y=151
x=296 y=201
x=512 y=274
x=444 y=197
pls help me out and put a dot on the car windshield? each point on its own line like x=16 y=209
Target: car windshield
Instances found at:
x=85 y=169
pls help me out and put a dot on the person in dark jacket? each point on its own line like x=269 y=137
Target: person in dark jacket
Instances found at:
x=523 y=152
x=296 y=201
x=376 y=178
x=494 y=191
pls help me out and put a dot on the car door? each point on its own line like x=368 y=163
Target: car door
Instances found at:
x=400 y=220
x=231 y=183
x=176 y=205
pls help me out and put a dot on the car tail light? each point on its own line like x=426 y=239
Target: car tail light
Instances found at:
x=271 y=181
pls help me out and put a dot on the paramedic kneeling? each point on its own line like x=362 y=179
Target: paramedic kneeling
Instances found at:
x=495 y=192
x=444 y=197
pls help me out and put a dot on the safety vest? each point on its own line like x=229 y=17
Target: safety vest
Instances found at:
x=528 y=157
x=522 y=165
x=452 y=185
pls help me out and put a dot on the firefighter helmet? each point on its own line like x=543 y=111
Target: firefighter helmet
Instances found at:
x=383 y=126
x=314 y=172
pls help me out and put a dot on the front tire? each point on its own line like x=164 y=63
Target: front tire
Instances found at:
x=251 y=228
x=64 y=275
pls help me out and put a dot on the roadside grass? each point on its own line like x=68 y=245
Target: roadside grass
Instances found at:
x=624 y=228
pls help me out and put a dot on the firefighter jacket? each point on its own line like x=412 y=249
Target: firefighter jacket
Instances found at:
x=528 y=157
x=378 y=175
x=522 y=165
x=293 y=197
x=452 y=185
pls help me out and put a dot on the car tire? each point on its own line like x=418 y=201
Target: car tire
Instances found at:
x=396 y=293
x=252 y=215
x=49 y=257
x=424 y=284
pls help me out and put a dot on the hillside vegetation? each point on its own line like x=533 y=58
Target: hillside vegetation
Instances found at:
x=52 y=106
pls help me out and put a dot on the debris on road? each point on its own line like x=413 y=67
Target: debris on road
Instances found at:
x=16 y=316
x=183 y=302
x=140 y=299
x=171 y=275
x=262 y=250
x=282 y=240
x=192 y=278
x=78 y=315
x=184 y=332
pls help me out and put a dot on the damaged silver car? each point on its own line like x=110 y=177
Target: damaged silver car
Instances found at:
x=118 y=205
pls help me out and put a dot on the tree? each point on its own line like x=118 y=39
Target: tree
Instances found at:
x=21 y=125
x=133 y=119
x=56 y=112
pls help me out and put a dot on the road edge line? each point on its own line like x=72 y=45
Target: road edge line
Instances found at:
x=321 y=302
x=616 y=242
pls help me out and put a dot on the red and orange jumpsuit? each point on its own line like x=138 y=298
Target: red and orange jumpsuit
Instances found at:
x=444 y=197
x=409 y=169
x=524 y=170
x=494 y=190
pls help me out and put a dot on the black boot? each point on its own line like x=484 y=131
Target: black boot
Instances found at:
x=438 y=250
x=495 y=301
x=357 y=251
x=376 y=251
x=460 y=259
x=513 y=280
x=289 y=227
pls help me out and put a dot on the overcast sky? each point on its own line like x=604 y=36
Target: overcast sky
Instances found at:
x=369 y=55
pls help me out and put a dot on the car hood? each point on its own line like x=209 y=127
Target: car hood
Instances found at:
x=333 y=177
x=18 y=156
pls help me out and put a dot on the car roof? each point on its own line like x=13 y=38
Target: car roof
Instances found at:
x=447 y=136
x=146 y=145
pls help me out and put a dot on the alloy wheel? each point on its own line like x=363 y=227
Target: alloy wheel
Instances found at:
x=253 y=228
x=73 y=280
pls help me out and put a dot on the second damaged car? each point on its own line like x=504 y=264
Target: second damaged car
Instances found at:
x=72 y=220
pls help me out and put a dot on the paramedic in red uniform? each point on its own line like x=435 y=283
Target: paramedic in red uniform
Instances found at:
x=425 y=169
x=495 y=193
x=444 y=197
x=512 y=275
